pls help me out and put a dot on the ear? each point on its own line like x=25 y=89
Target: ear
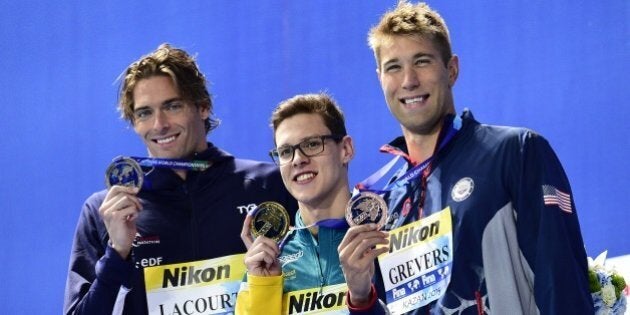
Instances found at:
x=203 y=110
x=453 y=70
x=347 y=152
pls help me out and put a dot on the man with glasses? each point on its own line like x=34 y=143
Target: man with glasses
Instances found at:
x=182 y=215
x=309 y=147
x=313 y=151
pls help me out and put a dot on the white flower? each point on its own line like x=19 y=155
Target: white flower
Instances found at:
x=598 y=262
x=608 y=295
x=602 y=282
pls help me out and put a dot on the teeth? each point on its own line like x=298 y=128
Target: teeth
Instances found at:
x=166 y=140
x=413 y=100
x=305 y=176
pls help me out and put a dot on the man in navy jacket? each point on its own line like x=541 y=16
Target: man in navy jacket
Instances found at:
x=481 y=217
x=179 y=215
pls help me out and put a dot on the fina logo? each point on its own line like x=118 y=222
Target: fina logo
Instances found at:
x=462 y=189
x=414 y=285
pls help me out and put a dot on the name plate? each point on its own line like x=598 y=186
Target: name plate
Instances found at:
x=198 y=287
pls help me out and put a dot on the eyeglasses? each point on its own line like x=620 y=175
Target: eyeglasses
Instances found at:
x=309 y=147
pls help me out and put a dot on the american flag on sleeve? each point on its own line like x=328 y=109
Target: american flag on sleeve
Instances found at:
x=554 y=197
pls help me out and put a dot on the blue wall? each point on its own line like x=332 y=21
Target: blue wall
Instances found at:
x=558 y=67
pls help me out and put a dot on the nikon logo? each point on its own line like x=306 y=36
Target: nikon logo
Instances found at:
x=188 y=275
x=413 y=235
x=312 y=301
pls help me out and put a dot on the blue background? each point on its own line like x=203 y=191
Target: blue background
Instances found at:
x=558 y=67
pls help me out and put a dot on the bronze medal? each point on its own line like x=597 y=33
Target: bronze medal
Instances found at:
x=271 y=220
x=366 y=207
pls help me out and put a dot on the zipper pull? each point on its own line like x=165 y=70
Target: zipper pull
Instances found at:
x=321 y=286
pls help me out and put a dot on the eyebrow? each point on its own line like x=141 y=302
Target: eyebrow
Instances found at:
x=300 y=141
x=172 y=100
x=419 y=55
x=416 y=56
x=388 y=62
x=168 y=101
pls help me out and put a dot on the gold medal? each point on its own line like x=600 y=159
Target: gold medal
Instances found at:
x=366 y=207
x=124 y=171
x=271 y=220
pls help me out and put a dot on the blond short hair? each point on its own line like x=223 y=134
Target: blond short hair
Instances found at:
x=415 y=20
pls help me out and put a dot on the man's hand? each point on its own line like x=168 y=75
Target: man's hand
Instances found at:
x=119 y=211
x=357 y=252
x=261 y=258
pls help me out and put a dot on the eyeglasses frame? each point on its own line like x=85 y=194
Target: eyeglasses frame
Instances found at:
x=275 y=157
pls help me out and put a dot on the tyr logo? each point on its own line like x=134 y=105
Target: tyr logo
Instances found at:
x=247 y=208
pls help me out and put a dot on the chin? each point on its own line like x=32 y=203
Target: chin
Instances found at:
x=165 y=155
x=302 y=198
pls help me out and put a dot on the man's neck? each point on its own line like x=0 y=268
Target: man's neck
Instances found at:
x=181 y=173
x=334 y=208
x=421 y=146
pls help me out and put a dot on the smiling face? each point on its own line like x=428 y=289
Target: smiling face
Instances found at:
x=417 y=83
x=169 y=126
x=317 y=181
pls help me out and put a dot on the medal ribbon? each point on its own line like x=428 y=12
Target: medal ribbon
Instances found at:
x=452 y=126
x=190 y=165
x=134 y=175
x=329 y=223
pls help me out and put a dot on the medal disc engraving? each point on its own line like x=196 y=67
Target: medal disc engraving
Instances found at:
x=125 y=172
x=366 y=207
x=271 y=220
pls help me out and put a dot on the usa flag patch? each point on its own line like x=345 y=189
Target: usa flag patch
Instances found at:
x=555 y=197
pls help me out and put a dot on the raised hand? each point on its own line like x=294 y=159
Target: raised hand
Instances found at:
x=119 y=212
x=261 y=258
x=357 y=252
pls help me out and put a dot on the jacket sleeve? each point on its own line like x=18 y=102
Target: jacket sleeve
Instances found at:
x=548 y=230
x=260 y=295
x=375 y=307
x=96 y=272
